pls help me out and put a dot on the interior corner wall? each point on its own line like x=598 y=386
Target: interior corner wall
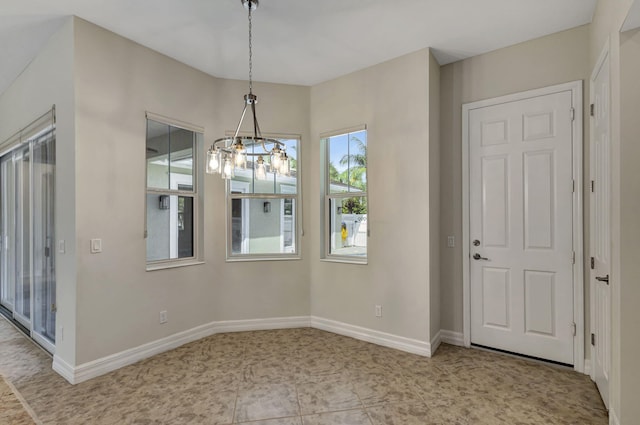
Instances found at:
x=246 y=290
x=119 y=301
x=392 y=100
x=47 y=81
x=546 y=61
x=436 y=239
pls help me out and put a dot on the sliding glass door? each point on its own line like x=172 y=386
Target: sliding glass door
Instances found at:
x=27 y=240
x=21 y=236
x=7 y=242
x=43 y=254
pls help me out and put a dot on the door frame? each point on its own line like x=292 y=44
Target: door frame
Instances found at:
x=604 y=57
x=578 y=264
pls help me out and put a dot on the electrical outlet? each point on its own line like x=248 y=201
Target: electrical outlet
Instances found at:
x=451 y=241
x=378 y=311
x=163 y=316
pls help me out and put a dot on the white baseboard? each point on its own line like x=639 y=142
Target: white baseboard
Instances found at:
x=115 y=361
x=63 y=369
x=92 y=369
x=435 y=342
x=263 y=324
x=376 y=337
x=613 y=418
x=452 y=338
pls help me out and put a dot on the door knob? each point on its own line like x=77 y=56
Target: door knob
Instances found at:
x=477 y=256
x=603 y=279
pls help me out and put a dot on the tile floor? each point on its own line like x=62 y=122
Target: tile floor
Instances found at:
x=304 y=377
x=12 y=411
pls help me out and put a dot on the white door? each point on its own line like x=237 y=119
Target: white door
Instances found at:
x=600 y=236
x=520 y=226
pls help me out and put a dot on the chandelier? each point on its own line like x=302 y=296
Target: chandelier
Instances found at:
x=228 y=153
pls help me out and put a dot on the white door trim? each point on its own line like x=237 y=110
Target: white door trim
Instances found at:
x=578 y=272
x=602 y=59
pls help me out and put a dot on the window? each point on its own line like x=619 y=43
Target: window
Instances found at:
x=263 y=214
x=345 y=200
x=173 y=204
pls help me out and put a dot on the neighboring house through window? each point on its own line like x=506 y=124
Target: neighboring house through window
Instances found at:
x=263 y=213
x=174 y=208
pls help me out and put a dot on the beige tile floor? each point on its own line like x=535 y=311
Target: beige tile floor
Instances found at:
x=304 y=377
x=12 y=410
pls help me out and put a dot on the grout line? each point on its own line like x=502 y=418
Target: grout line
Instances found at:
x=364 y=408
x=22 y=401
x=240 y=379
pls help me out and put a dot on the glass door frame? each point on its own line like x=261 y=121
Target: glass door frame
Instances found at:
x=15 y=195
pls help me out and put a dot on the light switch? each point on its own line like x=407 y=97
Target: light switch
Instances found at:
x=96 y=246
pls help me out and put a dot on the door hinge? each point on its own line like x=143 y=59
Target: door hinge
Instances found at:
x=573 y=113
x=573 y=187
x=592 y=109
x=573 y=258
x=593 y=339
x=593 y=263
x=573 y=329
x=54 y=308
x=593 y=186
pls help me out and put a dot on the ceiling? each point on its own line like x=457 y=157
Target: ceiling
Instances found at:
x=295 y=41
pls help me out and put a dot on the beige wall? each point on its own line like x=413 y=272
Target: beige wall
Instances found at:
x=629 y=221
x=47 y=81
x=546 y=61
x=392 y=99
x=118 y=300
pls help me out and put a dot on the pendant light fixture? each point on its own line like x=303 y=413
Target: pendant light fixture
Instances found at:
x=228 y=153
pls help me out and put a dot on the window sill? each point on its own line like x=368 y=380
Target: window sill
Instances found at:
x=173 y=265
x=260 y=258
x=362 y=262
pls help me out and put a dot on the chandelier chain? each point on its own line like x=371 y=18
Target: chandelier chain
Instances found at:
x=228 y=153
x=250 y=52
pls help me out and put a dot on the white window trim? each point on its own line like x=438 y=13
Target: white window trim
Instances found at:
x=196 y=194
x=286 y=188
x=296 y=196
x=326 y=254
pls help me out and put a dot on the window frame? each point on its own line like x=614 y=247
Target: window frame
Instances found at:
x=327 y=197
x=297 y=210
x=195 y=194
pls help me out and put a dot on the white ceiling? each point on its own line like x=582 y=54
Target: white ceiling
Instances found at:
x=295 y=41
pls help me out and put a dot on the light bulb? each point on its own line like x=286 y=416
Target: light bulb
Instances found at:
x=276 y=159
x=240 y=155
x=261 y=169
x=227 y=171
x=213 y=165
x=241 y=160
x=284 y=165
